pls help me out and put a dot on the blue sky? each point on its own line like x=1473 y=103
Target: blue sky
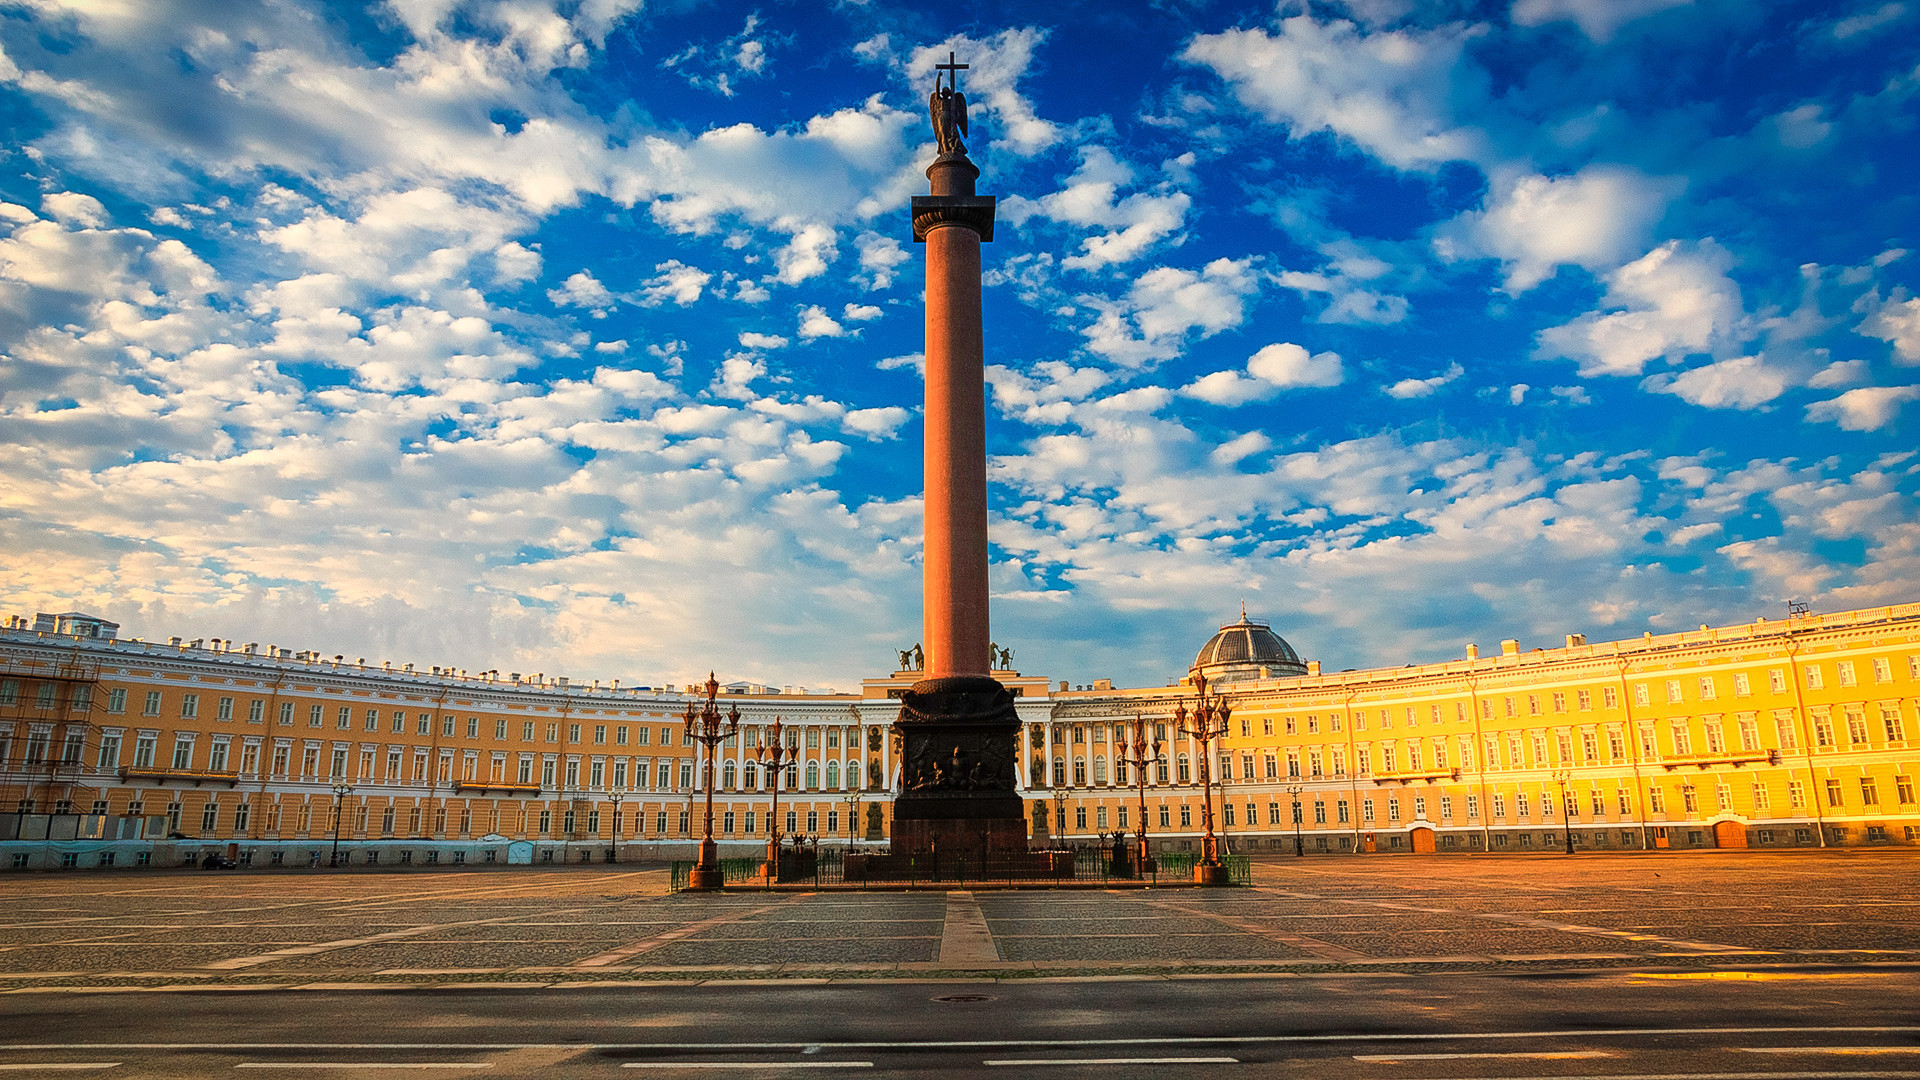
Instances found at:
x=581 y=336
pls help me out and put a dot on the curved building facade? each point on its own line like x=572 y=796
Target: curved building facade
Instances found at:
x=1778 y=734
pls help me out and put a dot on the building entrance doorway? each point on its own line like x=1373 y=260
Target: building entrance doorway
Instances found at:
x=1422 y=841
x=1729 y=834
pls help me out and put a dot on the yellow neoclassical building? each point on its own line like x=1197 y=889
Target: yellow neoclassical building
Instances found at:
x=1778 y=734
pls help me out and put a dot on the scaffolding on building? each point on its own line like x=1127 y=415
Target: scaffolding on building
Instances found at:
x=47 y=731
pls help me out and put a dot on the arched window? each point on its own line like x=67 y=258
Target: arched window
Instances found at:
x=833 y=775
x=727 y=776
x=1099 y=770
x=1186 y=770
x=750 y=776
x=1079 y=772
x=1059 y=772
x=813 y=775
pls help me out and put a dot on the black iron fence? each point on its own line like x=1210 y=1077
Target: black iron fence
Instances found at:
x=830 y=867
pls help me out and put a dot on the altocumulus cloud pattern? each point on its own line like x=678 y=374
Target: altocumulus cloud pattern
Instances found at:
x=580 y=336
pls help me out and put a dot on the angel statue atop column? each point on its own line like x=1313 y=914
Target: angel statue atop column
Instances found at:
x=948 y=108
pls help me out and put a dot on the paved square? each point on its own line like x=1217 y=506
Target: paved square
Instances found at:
x=568 y=925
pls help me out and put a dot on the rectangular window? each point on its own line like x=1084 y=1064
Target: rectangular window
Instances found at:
x=1777 y=681
x=223 y=710
x=343 y=719
x=339 y=764
x=143 y=749
x=1716 y=740
x=372 y=721
x=1341 y=810
x=1473 y=806
x=1682 y=739
x=217 y=756
x=1656 y=801
x=1741 y=687
x=1890 y=723
x=1844 y=669
x=1749 y=735
x=116 y=701
x=315 y=716
x=1641 y=696
x=600 y=734
x=1869 y=791
x=153 y=703
x=1609 y=698
x=1796 y=794
x=473 y=727
x=1814 y=681
x=620 y=735
x=1366 y=809
x=1761 y=797
x=526 y=731
x=109 y=751
x=189 y=706
x=1584 y=699
x=183 y=751
x=553 y=734
x=1903 y=789
x=1822 y=729
x=1882 y=670
x=1834 y=797
x=573 y=733
x=1499 y=806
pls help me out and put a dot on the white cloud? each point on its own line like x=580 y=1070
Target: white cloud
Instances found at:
x=880 y=423
x=675 y=281
x=816 y=323
x=751 y=340
x=880 y=256
x=1598 y=19
x=1673 y=302
x=1596 y=218
x=582 y=289
x=806 y=255
x=74 y=209
x=1167 y=304
x=514 y=263
x=1898 y=324
x=1866 y=22
x=1407 y=389
x=1391 y=93
x=1091 y=198
x=1868 y=408
x=860 y=313
x=1743 y=382
x=1276 y=367
x=917 y=362
x=1840 y=373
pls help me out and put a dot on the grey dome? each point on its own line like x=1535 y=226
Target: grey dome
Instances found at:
x=1239 y=650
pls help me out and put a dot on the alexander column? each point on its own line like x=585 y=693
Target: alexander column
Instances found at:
x=957 y=725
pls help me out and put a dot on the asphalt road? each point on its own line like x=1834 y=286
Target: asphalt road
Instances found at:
x=1727 y=966
x=1826 y=1022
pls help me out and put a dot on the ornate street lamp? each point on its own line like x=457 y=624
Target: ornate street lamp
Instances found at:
x=1141 y=754
x=615 y=795
x=706 y=726
x=1561 y=776
x=340 y=792
x=773 y=754
x=1060 y=813
x=852 y=799
x=1207 y=722
x=1299 y=844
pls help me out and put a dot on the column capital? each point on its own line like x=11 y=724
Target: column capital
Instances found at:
x=972 y=211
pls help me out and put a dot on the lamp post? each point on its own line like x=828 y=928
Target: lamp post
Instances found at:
x=1299 y=845
x=615 y=795
x=706 y=726
x=1060 y=813
x=1141 y=754
x=1207 y=722
x=772 y=754
x=340 y=792
x=852 y=799
x=1561 y=776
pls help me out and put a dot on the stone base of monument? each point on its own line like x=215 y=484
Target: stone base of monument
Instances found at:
x=957 y=813
x=1211 y=874
x=960 y=867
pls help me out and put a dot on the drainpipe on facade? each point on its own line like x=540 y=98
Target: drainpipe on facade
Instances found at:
x=1480 y=756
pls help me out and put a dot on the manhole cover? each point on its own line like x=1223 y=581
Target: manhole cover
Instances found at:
x=963 y=998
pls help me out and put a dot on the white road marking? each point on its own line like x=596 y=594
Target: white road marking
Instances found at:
x=365 y=1065
x=1827 y=1075
x=66 y=1066
x=239 y=962
x=1828 y=1049
x=1553 y=1055
x=747 y=1065
x=1116 y=1061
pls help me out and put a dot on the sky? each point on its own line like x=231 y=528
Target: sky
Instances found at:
x=583 y=336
